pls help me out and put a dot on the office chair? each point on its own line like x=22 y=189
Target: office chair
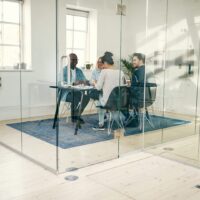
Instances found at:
x=117 y=102
x=65 y=110
x=94 y=98
x=138 y=102
x=67 y=106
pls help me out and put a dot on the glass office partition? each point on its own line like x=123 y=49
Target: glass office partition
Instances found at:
x=39 y=73
x=153 y=114
x=85 y=30
x=181 y=69
x=133 y=41
x=180 y=81
x=182 y=77
x=10 y=84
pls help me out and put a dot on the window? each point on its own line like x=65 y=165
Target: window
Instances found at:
x=10 y=34
x=77 y=34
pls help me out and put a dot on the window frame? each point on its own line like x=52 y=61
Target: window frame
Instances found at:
x=79 y=13
x=19 y=65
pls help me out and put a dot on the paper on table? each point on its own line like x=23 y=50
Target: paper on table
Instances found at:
x=83 y=87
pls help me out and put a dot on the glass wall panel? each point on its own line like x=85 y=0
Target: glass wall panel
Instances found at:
x=91 y=28
x=180 y=81
x=153 y=115
x=133 y=41
x=51 y=79
x=38 y=74
x=182 y=77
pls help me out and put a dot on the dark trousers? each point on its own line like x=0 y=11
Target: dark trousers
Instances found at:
x=94 y=94
x=75 y=98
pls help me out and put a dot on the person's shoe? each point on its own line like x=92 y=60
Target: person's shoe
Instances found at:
x=99 y=128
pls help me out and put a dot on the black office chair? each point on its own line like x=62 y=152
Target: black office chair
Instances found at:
x=117 y=102
x=138 y=103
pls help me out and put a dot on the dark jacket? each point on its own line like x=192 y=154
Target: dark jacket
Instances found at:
x=137 y=86
x=138 y=76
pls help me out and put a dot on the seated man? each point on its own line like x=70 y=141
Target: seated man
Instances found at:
x=138 y=77
x=137 y=87
x=77 y=77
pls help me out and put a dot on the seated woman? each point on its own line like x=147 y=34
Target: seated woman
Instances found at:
x=109 y=79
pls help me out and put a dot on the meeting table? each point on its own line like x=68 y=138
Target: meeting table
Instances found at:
x=61 y=89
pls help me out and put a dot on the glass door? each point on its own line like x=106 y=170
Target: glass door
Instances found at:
x=133 y=41
x=144 y=57
x=180 y=81
x=38 y=74
x=85 y=31
x=153 y=115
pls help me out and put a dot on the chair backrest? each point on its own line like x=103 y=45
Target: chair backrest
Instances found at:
x=137 y=94
x=118 y=99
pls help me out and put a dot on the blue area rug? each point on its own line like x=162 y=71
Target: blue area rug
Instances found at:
x=43 y=130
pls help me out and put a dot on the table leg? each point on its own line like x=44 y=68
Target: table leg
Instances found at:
x=57 y=108
x=78 y=123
